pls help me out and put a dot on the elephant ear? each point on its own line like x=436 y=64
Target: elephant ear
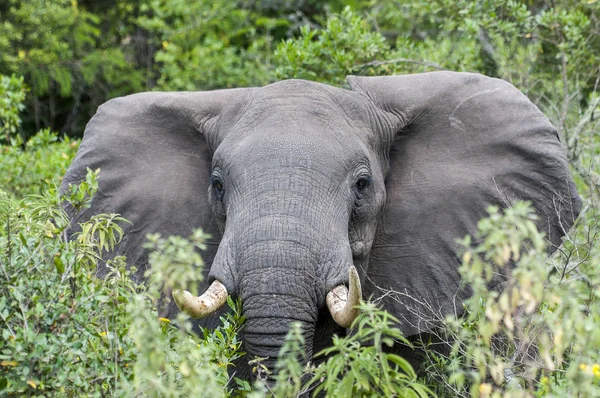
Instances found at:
x=462 y=142
x=154 y=155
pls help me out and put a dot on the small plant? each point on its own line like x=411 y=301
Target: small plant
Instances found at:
x=359 y=366
x=291 y=375
x=172 y=359
x=356 y=365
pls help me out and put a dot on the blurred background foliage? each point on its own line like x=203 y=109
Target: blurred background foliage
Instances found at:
x=61 y=59
x=76 y=54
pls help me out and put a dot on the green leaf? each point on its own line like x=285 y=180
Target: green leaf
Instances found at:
x=58 y=264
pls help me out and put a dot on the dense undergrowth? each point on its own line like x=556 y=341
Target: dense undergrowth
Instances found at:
x=64 y=332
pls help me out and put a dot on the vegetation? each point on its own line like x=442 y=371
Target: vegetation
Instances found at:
x=65 y=333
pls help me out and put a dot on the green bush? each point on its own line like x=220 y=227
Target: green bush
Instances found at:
x=37 y=166
x=71 y=59
x=535 y=336
x=206 y=44
x=358 y=365
x=57 y=333
x=172 y=361
x=67 y=333
x=354 y=366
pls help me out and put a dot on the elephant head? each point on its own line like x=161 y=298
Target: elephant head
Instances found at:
x=308 y=188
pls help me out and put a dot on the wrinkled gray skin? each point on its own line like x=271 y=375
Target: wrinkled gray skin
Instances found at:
x=305 y=179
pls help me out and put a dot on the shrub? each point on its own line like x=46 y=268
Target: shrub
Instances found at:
x=71 y=58
x=537 y=334
x=172 y=361
x=58 y=330
x=355 y=366
x=37 y=166
x=67 y=333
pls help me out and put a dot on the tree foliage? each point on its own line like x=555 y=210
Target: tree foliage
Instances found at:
x=74 y=55
x=12 y=95
x=69 y=66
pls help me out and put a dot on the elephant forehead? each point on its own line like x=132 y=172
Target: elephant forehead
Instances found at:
x=298 y=124
x=303 y=149
x=302 y=104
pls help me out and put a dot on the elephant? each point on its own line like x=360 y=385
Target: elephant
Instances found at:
x=317 y=196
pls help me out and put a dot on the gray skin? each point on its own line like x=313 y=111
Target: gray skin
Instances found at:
x=306 y=179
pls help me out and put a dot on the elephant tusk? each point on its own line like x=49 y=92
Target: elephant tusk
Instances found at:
x=201 y=306
x=342 y=302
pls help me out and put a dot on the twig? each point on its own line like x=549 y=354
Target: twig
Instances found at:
x=401 y=60
x=8 y=325
x=587 y=117
x=565 y=105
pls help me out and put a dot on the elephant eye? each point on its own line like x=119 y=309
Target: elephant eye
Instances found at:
x=218 y=185
x=363 y=183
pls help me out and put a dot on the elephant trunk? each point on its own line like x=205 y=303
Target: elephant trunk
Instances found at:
x=279 y=285
x=265 y=333
x=274 y=299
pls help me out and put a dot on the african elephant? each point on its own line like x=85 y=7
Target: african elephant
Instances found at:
x=298 y=182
